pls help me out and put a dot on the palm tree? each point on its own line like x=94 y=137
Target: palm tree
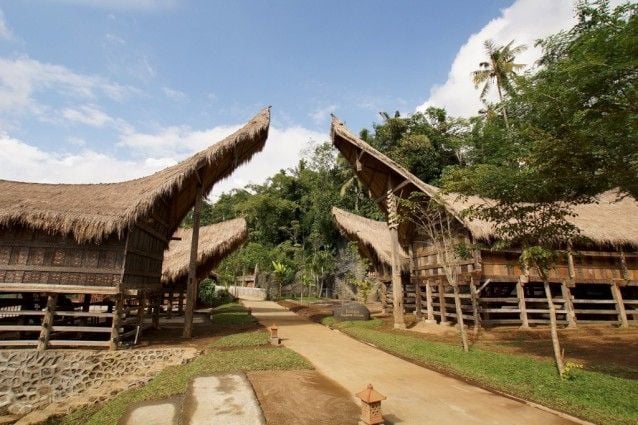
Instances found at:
x=499 y=69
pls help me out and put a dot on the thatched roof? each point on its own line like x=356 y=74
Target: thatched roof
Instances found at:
x=92 y=212
x=610 y=220
x=372 y=236
x=216 y=241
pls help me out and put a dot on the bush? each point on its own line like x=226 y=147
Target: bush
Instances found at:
x=212 y=296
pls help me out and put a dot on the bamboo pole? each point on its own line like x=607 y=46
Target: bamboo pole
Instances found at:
x=47 y=322
x=192 y=267
x=417 y=285
x=117 y=319
x=620 y=305
x=558 y=356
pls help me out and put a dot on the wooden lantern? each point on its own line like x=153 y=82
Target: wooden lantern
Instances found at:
x=370 y=406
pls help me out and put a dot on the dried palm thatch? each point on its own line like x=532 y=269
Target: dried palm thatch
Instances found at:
x=216 y=241
x=609 y=220
x=372 y=236
x=93 y=212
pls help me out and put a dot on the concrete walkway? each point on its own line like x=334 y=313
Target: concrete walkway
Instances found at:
x=416 y=395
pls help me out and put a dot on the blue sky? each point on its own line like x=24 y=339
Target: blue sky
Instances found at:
x=105 y=90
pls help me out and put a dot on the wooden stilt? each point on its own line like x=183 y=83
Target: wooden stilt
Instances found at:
x=117 y=319
x=180 y=301
x=191 y=292
x=475 y=306
x=428 y=303
x=156 y=311
x=520 y=294
x=569 y=305
x=169 y=307
x=620 y=305
x=47 y=322
x=397 y=284
x=384 y=298
x=442 y=307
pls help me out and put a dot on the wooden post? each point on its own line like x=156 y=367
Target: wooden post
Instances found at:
x=156 y=311
x=475 y=307
x=428 y=303
x=180 y=301
x=384 y=297
x=117 y=319
x=397 y=284
x=620 y=305
x=47 y=322
x=569 y=305
x=442 y=307
x=169 y=308
x=414 y=279
x=558 y=355
x=191 y=291
x=520 y=294
x=459 y=316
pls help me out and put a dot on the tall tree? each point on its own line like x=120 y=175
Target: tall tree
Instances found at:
x=498 y=69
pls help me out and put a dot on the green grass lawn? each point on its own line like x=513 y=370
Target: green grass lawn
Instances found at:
x=589 y=395
x=243 y=351
x=232 y=314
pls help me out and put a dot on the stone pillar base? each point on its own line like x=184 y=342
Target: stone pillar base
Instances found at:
x=429 y=321
x=399 y=326
x=445 y=324
x=274 y=341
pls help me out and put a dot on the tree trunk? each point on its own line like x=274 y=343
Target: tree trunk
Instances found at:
x=552 y=323
x=459 y=317
x=500 y=96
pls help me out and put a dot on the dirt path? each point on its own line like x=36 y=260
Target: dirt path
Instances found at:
x=416 y=396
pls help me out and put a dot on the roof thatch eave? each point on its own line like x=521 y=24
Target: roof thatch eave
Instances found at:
x=93 y=212
x=373 y=235
x=216 y=242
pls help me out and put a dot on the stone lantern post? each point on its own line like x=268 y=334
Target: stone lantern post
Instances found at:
x=370 y=406
x=274 y=337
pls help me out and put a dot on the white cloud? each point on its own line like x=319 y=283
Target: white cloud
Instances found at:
x=174 y=94
x=22 y=78
x=24 y=162
x=320 y=115
x=147 y=5
x=525 y=21
x=87 y=114
x=5 y=32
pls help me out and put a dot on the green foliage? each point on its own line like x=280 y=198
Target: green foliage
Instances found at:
x=212 y=296
x=589 y=395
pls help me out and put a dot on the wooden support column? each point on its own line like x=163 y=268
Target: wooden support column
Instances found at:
x=475 y=305
x=47 y=322
x=442 y=307
x=180 y=301
x=384 y=297
x=428 y=303
x=414 y=279
x=169 y=308
x=156 y=311
x=117 y=320
x=397 y=284
x=520 y=294
x=191 y=291
x=620 y=305
x=569 y=305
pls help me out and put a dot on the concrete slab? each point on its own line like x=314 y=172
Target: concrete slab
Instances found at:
x=163 y=412
x=226 y=399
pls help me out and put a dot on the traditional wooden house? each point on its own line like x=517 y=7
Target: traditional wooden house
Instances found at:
x=216 y=242
x=373 y=242
x=61 y=241
x=596 y=281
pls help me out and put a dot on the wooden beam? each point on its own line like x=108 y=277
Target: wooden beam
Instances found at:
x=397 y=283
x=394 y=189
x=475 y=306
x=192 y=266
x=60 y=289
x=428 y=303
x=47 y=322
x=442 y=306
x=417 y=286
x=56 y=269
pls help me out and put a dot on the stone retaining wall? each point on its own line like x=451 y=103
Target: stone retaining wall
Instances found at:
x=31 y=380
